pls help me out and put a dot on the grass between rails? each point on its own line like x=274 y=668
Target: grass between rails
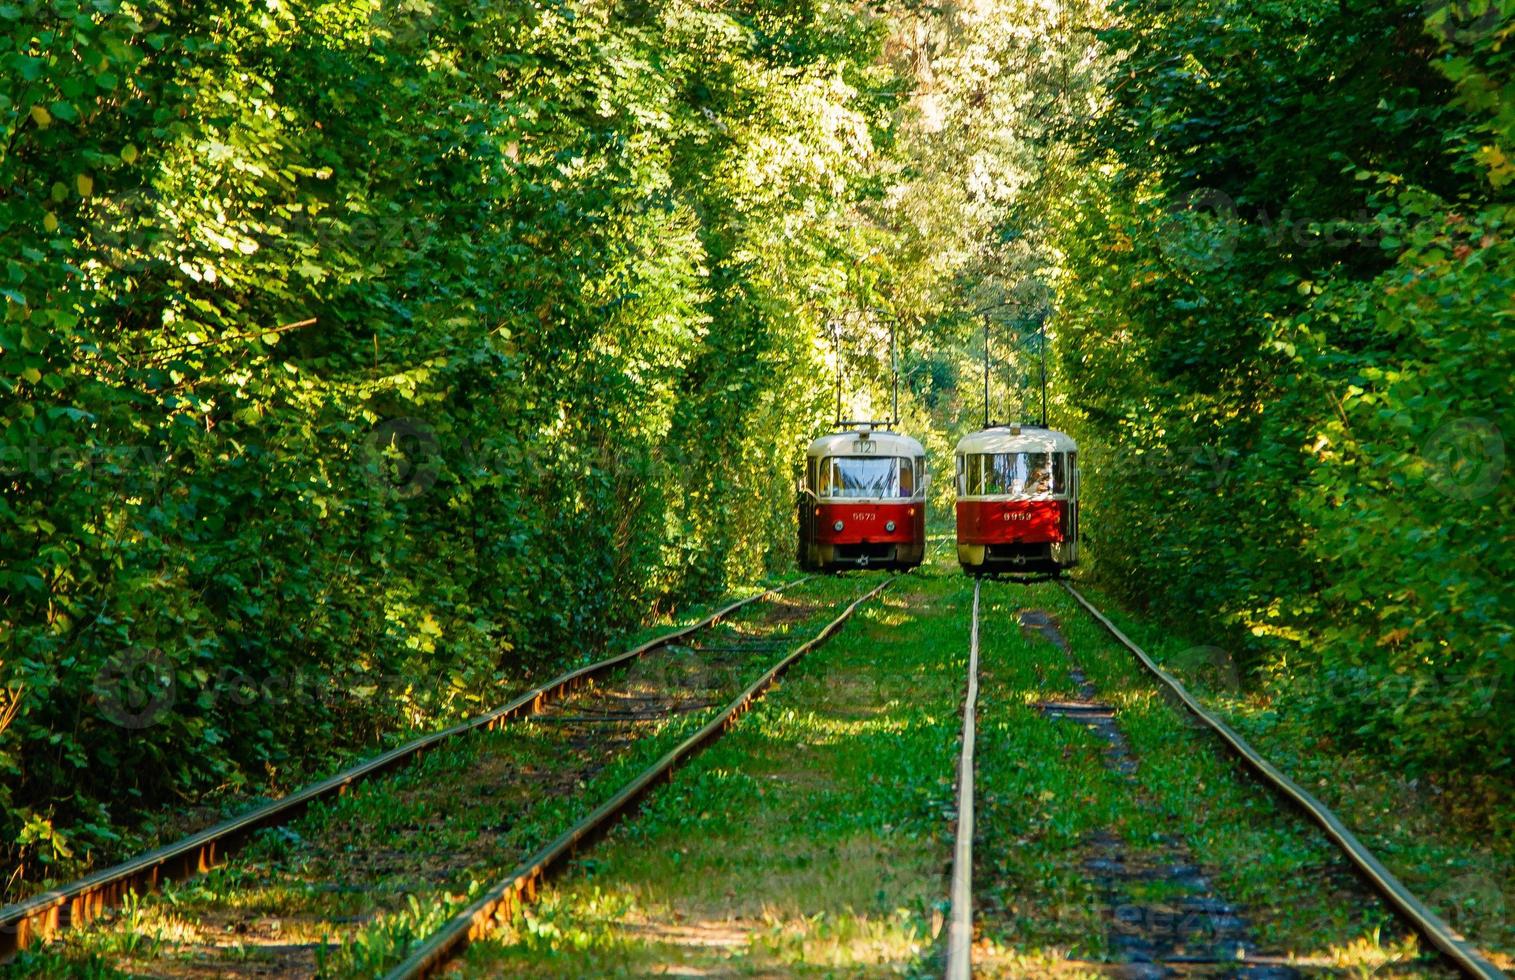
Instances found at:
x=1045 y=789
x=1455 y=851
x=811 y=840
x=407 y=847
x=1041 y=790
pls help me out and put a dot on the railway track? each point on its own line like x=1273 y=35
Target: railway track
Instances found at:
x=496 y=906
x=616 y=735
x=1198 y=933
x=960 y=925
x=601 y=707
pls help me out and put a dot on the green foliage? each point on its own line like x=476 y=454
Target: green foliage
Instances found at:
x=357 y=359
x=360 y=358
x=1283 y=320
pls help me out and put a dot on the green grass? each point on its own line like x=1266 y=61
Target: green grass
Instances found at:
x=1455 y=851
x=152 y=828
x=813 y=839
x=359 y=878
x=810 y=840
x=1041 y=790
x=1296 y=890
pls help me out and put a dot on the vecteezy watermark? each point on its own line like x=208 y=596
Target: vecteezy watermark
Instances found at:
x=1213 y=667
x=400 y=457
x=1200 y=232
x=1461 y=22
x=1194 y=464
x=37 y=459
x=1203 y=230
x=1465 y=458
x=1209 y=460
x=135 y=689
x=404 y=22
x=1469 y=898
x=1361 y=230
x=138 y=688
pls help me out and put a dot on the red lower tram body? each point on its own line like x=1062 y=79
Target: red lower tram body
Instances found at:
x=1017 y=535
x=862 y=534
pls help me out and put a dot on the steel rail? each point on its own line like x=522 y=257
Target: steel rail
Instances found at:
x=1425 y=921
x=960 y=928
x=498 y=904
x=49 y=912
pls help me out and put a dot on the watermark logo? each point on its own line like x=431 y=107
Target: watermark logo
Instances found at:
x=1466 y=458
x=400 y=457
x=135 y=689
x=1210 y=462
x=1461 y=22
x=1469 y=899
x=1213 y=667
x=1201 y=231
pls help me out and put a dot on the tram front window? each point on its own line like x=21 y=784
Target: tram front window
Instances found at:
x=867 y=477
x=1014 y=474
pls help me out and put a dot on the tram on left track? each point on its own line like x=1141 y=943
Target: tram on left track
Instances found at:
x=862 y=501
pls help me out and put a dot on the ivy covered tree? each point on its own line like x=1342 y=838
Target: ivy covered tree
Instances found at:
x=358 y=358
x=1282 y=257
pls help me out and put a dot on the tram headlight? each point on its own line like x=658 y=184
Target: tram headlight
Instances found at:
x=837 y=526
x=889 y=526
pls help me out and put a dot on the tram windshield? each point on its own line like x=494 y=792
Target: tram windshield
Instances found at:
x=1012 y=474
x=867 y=476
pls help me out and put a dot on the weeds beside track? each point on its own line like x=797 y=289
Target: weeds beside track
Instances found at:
x=367 y=839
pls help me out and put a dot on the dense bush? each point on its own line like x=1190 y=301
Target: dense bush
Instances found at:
x=1286 y=283
x=355 y=360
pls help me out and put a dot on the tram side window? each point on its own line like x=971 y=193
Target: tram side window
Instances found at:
x=974 y=475
x=907 y=478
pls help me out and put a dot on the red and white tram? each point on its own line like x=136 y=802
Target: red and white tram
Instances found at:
x=863 y=501
x=1017 y=500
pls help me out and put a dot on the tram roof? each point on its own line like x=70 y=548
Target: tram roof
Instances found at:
x=885 y=443
x=1017 y=439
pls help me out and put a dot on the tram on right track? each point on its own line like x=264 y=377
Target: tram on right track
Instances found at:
x=1017 y=500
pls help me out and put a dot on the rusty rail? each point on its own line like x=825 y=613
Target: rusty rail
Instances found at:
x=1425 y=921
x=498 y=904
x=960 y=928
x=45 y=914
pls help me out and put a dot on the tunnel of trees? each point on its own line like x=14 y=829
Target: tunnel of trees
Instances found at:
x=358 y=358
